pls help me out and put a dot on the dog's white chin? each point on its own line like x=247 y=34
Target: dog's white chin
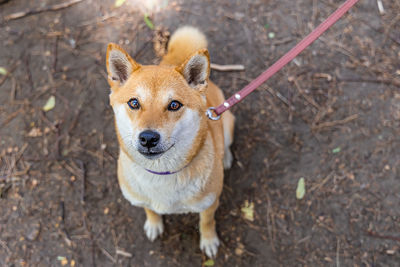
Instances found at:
x=166 y=161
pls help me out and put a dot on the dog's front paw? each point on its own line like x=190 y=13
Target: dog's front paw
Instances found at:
x=153 y=230
x=209 y=246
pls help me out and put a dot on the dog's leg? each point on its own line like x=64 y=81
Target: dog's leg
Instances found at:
x=228 y=123
x=153 y=226
x=208 y=236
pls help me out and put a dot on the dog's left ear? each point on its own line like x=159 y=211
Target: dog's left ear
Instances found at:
x=119 y=65
x=196 y=69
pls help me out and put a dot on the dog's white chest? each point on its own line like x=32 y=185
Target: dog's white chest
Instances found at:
x=164 y=194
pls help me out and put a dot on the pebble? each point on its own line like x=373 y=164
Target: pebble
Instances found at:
x=33 y=231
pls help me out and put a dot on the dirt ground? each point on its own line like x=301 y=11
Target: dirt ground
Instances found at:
x=332 y=116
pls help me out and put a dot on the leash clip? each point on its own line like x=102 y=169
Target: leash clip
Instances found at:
x=209 y=113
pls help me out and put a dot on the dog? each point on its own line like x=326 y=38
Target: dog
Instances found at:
x=171 y=157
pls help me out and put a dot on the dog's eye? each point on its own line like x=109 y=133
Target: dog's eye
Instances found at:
x=133 y=103
x=174 y=105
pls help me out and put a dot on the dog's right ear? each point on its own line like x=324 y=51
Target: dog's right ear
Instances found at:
x=119 y=65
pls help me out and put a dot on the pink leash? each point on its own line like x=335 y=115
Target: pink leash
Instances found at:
x=239 y=96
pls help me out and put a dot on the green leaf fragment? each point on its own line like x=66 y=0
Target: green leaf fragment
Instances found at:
x=50 y=104
x=336 y=150
x=3 y=71
x=119 y=3
x=248 y=210
x=209 y=262
x=271 y=35
x=301 y=188
x=148 y=22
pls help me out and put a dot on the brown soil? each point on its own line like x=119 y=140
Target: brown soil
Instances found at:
x=332 y=117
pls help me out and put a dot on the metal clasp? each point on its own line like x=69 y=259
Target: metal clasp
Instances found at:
x=210 y=112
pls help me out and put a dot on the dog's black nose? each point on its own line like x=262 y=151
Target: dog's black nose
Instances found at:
x=149 y=138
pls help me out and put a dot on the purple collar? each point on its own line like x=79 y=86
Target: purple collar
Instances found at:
x=164 y=173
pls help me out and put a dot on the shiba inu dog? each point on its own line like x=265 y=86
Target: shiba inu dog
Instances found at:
x=171 y=155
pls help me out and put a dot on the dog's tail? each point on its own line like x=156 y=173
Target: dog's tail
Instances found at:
x=184 y=42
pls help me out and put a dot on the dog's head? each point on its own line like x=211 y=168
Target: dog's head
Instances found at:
x=159 y=110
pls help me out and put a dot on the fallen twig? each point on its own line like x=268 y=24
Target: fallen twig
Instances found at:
x=18 y=156
x=334 y=123
x=394 y=82
x=102 y=19
x=52 y=125
x=226 y=67
x=64 y=230
x=375 y=234
x=107 y=254
x=123 y=253
x=56 y=151
x=22 y=14
x=319 y=185
x=306 y=97
x=28 y=71
x=55 y=54
x=282 y=41
x=83 y=176
x=11 y=117
x=278 y=95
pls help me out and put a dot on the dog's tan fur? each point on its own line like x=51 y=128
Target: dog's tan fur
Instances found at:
x=197 y=157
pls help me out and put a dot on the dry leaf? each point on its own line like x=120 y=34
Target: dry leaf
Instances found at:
x=209 y=262
x=50 y=104
x=301 y=188
x=35 y=132
x=248 y=210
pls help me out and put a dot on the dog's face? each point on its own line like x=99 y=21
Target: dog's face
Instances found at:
x=159 y=110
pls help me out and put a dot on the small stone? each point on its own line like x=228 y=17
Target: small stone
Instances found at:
x=33 y=231
x=350 y=176
x=390 y=252
x=106 y=210
x=239 y=251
